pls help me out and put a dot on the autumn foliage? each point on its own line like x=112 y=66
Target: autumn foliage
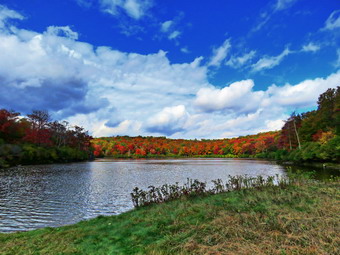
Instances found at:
x=310 y=136
x=124 y=146
x=36 y=139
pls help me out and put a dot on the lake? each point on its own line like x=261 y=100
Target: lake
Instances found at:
x=39 y=196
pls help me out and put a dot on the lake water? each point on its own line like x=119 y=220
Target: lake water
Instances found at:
x=39 y=196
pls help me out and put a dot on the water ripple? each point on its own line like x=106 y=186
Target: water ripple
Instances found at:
x=33 y=197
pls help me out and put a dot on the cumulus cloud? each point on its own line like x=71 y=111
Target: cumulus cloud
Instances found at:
x=333 y=21
x=64 y=101
x=237 y=62
x=41 y=72
x=99 y=127
x=74 y=80
x=110 y=92
x=230 y=98
x=260 y=121
x=239 y=110
x=125 y=127
x=241 y=98
x=232 y=125
x=310 y=47
x=220 y=53
x=269 y=62
x=135 y=9
x=304 y=94
x=168 y=121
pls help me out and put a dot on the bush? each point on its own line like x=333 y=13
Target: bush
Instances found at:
x=9 y=154
x=310 y=151
x=331 y=150
x=33 y=154
x=281 y=155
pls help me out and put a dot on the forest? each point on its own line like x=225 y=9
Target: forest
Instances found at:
x=310 y=136
x=36 y=139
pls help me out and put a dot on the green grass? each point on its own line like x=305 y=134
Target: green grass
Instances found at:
x=299 y=219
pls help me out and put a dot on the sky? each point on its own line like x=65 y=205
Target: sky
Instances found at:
x=181 y=69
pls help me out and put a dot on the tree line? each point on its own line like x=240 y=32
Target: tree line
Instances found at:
x=310 y=136
x=35 y=138
x=124 y=146
x=315 y=135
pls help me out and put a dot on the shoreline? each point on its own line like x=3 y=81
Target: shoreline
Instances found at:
x=318 y=165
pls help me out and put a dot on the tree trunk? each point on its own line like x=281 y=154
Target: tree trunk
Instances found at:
x=297 y=135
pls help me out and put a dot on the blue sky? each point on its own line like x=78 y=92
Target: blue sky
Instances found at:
x=191 y=69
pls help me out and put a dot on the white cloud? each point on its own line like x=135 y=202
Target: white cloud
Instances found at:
x=175 y=34
x=337 y=62
x=168 y=121
x=185 y=50
x=125 y=127
x=269 y=62
x=239 y=110
x=62 y=31
x=165 y=26
x=220 y=53
x=237 y=62
x=240 y=96
x=310 y=47
x=84 y=3
x=265 y=17
x=136 y=9
x=231 y=98
x=245 y=121
x=169 y=28
x=7 y=14
x=75 y=80
x=283 y=4
x=304 y=94
x=333 y=21
x=226 y=126
x=111 y=92
x=100 y=129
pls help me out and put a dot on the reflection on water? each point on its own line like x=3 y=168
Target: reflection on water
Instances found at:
x=317 y=173
x=53 y=195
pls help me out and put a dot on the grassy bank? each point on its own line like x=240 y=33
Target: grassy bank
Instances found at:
x=298 y=219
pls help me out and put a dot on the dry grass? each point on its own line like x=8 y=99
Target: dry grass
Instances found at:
x=298 y=219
